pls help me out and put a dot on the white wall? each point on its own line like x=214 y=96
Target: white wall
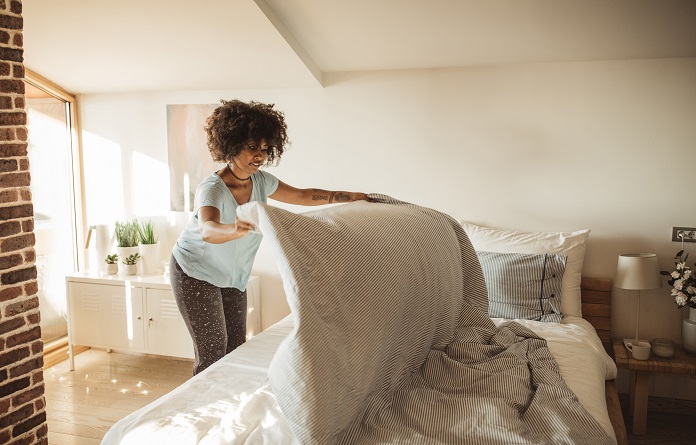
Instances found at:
x=603 y=145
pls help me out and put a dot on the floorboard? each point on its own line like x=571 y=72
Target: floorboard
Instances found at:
x=82 y=405
x=55 y=438
x=670 y=422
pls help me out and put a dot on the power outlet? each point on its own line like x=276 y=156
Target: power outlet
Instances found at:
x=686 y=234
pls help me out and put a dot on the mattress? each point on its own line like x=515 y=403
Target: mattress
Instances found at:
x=231 y=402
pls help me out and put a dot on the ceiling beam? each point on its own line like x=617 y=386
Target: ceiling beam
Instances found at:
x=292 y=41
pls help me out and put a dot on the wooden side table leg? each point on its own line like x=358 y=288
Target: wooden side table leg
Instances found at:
x=632 y=393
x=640 y=403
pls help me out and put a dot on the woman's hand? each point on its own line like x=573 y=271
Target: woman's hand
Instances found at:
x=212 y=231
x=242 y=227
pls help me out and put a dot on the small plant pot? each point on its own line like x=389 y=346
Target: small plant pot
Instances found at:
x=150 y=257
x=130 y=269
x=123 y=253
x=111 y=269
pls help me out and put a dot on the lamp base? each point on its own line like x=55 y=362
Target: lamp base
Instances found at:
x=630 y=341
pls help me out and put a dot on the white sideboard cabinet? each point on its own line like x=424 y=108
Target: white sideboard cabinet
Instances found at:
x=136 y=314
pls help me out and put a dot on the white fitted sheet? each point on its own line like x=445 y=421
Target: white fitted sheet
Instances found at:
x=231 y=402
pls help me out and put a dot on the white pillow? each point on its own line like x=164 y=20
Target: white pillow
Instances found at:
x=570 y=244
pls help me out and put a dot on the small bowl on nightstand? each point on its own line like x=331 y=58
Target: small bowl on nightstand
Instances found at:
x=662 y=347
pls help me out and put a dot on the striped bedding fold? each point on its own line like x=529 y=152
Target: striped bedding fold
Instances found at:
x=392 y=342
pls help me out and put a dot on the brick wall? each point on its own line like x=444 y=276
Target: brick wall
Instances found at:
x=22 y=402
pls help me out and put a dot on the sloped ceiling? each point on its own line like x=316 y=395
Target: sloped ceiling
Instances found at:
x=92 y=46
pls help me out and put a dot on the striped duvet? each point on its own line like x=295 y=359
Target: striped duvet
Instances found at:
x=392 y=342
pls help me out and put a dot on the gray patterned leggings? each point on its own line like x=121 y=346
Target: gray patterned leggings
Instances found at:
x=215 y=317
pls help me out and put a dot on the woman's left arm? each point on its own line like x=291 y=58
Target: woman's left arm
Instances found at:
x=313 y=197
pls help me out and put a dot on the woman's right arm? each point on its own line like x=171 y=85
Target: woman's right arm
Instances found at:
x=214 y=232
x=313 y=197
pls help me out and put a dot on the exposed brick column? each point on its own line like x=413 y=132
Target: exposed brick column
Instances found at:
x=22 y=402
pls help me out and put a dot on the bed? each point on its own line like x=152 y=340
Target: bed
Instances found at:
x=397 y=345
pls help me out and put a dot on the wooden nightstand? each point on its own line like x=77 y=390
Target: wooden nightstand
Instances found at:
x=681 y=363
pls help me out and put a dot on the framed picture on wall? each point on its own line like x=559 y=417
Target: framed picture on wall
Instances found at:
x=189 y=158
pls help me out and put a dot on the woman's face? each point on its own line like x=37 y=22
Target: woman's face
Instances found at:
x=252 y=156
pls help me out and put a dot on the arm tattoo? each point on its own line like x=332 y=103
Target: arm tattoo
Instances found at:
x=341 y=197
x=331 y=197
x=320 y=195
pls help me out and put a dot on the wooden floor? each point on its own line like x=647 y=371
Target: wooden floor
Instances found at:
x=670 y=422
x=82 y=405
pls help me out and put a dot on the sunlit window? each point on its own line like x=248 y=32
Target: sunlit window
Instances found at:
x=50 y=162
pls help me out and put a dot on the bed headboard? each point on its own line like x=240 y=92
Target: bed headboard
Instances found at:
x=596 y=306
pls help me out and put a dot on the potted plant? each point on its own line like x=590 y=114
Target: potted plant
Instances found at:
x=127 y=233
x=112 y=264
x=131 y=263
x=148 y=247
x=683 y=281
x=127 y=239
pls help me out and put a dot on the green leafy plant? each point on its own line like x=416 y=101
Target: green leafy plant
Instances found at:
x=111 y=259
x=131 y=259
x=146 y=233
x=127 y=233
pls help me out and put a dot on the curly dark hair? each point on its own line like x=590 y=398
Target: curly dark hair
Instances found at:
x=235 y=123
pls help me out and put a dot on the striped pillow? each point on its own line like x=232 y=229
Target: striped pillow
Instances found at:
x=523 y=286
x=571 y=244
x=372 y=288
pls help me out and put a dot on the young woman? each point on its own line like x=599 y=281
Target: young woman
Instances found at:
x=212 y=259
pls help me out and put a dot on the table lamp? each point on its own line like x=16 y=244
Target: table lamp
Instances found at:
x=637 y=271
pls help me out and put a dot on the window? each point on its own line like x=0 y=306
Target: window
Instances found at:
x=52 y=156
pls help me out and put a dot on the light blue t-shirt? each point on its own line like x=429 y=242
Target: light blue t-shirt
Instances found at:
x=228 y=264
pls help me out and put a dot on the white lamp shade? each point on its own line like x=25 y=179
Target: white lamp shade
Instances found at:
x=638 y=271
